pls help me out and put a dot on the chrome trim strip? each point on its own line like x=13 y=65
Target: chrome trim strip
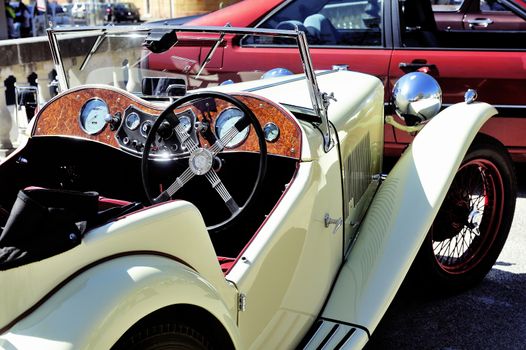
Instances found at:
x=331 y=335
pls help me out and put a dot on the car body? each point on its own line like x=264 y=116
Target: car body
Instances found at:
x=153 y=206
x=390 y=38
x=122 y=12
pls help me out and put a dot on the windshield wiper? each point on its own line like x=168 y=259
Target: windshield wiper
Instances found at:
x=93 y=49
x=208 y=57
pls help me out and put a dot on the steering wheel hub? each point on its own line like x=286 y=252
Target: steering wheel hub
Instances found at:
x=201 y=161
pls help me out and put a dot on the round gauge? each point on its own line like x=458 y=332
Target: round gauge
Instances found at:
x=271 y=132
x=133 y=121
x=92 y=116
x=146 y=127
x=225 y=121
x=186 y=122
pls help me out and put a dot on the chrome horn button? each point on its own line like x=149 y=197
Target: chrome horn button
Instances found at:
x=201 y=161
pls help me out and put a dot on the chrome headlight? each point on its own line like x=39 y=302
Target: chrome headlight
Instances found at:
x=417 y=98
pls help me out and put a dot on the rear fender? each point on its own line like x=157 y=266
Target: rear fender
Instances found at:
x=94 y=309
x=400 y=216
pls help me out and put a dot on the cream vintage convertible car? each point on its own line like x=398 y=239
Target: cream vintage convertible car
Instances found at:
x=159 y=203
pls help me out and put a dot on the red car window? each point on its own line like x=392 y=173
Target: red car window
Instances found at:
x=332 y=22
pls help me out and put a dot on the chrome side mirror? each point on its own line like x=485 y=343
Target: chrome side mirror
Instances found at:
x=417 y=98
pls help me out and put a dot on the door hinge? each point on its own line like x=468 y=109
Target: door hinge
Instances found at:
x=242 y=302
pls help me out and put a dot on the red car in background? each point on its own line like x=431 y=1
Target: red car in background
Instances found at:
x=477 y=44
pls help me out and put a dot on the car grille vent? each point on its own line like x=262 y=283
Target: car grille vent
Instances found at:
x=327 y=335
x=358 y=170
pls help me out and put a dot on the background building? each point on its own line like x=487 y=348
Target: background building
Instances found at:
x=160 y=9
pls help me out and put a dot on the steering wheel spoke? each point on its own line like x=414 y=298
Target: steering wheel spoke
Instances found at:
x=220 y=188
x=184 y=138
x=181 y=180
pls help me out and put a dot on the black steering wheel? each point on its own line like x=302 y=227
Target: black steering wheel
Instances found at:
x=201 y=159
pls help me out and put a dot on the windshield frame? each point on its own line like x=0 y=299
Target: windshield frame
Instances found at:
x=318 y=100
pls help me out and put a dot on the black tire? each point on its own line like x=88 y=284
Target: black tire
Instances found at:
x=169 y=336
x=472 y=224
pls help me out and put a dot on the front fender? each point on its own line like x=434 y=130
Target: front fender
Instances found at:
x=401 y=214
x=96 y=307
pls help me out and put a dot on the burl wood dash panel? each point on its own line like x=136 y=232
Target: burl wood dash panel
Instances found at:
x=60 y=117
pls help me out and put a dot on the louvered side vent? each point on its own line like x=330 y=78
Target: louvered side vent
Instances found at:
x=358 y=170
x=328 y=335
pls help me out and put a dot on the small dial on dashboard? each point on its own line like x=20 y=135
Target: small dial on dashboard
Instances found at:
x=133 y=121
x=92 y=116
x=146 y=127
x=226 y=120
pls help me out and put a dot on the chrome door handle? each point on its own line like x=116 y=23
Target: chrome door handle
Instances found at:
x=479 y=22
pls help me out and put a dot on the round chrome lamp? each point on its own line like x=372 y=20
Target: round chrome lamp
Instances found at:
x=417 y=98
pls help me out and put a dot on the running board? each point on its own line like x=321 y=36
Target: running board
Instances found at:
x=329 y=335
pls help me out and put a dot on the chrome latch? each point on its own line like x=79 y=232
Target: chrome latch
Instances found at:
x=326 y=99
x=242 y=302
x=330 y=221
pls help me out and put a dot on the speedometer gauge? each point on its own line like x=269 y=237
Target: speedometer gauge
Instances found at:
x=225 y=121
x=92 y=115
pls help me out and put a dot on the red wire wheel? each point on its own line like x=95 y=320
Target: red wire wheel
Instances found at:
x=469 y=219
x=473 y=222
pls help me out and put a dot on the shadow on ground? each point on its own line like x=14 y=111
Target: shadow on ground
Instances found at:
x=490 y=316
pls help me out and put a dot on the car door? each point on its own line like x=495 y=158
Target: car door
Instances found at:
x=491 y=62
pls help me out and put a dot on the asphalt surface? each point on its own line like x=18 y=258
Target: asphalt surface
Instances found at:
x=489 y=316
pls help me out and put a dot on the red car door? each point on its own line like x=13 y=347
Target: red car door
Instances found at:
x=491 y=62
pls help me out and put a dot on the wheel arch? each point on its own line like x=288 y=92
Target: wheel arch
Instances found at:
x=191 y=315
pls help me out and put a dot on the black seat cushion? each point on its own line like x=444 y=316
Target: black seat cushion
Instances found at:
x=45 y=222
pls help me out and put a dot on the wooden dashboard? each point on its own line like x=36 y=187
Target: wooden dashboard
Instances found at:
x=62 y=117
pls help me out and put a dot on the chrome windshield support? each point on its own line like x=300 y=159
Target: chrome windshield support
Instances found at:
x=211 y=52
x=57 y=60
x=320 y=103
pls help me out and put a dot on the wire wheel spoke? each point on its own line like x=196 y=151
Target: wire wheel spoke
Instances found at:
x=466 y=223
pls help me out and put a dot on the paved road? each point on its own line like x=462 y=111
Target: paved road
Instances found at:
x=490 y=316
